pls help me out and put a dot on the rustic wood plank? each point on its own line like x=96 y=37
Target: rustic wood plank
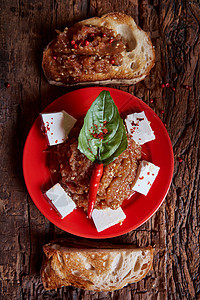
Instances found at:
x=174 y=229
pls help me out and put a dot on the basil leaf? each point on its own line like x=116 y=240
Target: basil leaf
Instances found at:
x=103 y=135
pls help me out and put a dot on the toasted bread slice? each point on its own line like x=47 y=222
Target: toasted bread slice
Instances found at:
x=93 y=265
x=137 y=57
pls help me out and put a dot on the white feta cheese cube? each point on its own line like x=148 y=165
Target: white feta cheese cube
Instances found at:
x=139 y=128
x=60 y=200
x=105 y=218
x=57 y=126
x=146 y=174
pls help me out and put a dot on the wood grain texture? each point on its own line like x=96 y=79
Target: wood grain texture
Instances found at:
x=26 y=27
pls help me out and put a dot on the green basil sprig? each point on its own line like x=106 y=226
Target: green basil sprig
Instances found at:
x=103 y=135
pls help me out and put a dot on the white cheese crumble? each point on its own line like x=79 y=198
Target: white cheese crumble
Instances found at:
x=105 y=218
x=139 y=128
x=146 y=174
x=60 y=200
x=57 y=126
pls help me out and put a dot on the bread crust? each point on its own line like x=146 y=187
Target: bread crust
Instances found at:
x=137 y=62
x=93 y=265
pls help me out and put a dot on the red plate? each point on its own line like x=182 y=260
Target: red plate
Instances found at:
x=138 y=208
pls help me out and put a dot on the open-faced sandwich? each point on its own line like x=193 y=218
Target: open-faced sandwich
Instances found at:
x=91 y=265
x=110 y=49
x=96 y=163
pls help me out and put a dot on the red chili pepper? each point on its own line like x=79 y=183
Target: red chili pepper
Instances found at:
x=94 y=185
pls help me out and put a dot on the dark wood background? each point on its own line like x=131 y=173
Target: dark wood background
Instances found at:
x=26 y=27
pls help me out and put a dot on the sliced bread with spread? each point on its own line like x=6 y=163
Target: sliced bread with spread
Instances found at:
x=109 y=49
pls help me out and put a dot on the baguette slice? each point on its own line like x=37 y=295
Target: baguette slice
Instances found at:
x=138 y=57
x=91 y=265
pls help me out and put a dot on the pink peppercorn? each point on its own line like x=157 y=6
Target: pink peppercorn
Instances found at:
x=7 y=85
x=187 y=87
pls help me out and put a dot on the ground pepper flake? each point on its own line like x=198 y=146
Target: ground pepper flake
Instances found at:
x=105 y=130
x=99 y=132
x=134 y=124
x=179 y=159
x=151 y=101
x=47 y=128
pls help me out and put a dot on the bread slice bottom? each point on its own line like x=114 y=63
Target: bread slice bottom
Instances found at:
x=97 y=267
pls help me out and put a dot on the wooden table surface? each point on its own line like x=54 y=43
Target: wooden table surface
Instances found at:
x=26 y=27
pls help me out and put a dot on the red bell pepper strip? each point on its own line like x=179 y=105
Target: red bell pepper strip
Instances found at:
x=94 y=185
